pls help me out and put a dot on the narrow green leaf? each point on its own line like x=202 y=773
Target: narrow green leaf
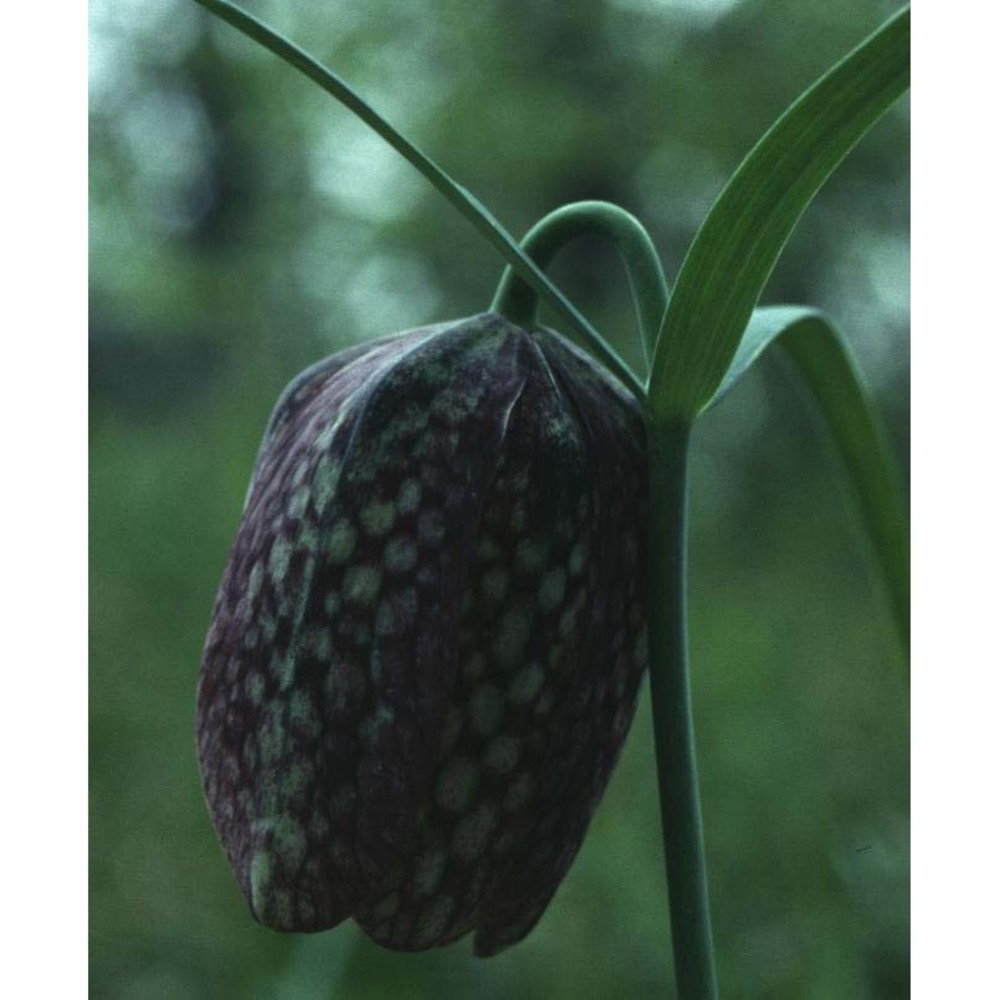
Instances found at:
x=736 y=248
x=462 y=199
x=823 y=359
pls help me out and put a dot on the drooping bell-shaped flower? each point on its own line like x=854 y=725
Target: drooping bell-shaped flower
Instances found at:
x=427 y=644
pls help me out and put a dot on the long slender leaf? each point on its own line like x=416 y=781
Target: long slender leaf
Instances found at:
x=823 y=359
x=466 y=203
x=737 y=246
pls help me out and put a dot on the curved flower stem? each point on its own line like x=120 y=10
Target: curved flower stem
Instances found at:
x=518 y=301
x=673 y=725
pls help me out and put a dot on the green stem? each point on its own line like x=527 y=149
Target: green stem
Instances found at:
x=518 y=301
x=673 y=725
x=463 y=200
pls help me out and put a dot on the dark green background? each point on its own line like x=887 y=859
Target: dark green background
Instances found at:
x=242 y=225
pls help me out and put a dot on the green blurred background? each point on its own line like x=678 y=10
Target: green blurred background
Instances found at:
x=243 y=225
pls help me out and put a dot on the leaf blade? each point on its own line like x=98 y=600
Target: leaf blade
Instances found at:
x=460 y=197
x=822 y=358
x=738 y=244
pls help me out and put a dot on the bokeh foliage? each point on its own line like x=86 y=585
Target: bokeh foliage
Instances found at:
x=243 y=226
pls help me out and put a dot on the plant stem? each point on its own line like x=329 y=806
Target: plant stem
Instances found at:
x=518 y=301
x=673 y=726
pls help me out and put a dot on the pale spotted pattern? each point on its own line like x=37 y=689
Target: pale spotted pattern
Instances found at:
x=427 y=645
